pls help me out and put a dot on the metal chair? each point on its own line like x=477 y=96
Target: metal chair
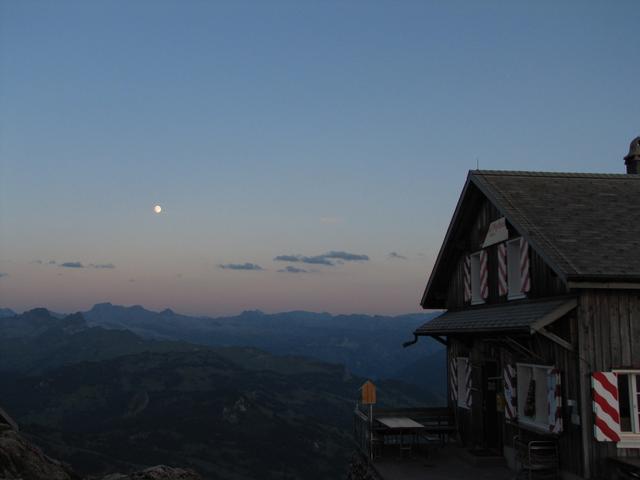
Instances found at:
x=538 y=459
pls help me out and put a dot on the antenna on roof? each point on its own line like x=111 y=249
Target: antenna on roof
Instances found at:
x=477 y=163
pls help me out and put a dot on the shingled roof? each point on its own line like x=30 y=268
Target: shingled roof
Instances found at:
x=523 y=317
x=585 y=226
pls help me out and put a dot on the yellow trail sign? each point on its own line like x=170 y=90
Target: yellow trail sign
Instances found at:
x=368 y=393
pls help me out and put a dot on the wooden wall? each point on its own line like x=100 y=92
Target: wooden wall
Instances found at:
x=609 y=333
x=542 y=352
x=544 y=281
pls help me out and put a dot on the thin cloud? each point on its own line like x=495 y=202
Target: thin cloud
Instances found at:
x=317 y=260
x=397 y=256
x=347 y=257
x=240 y=266
x=2 y=274
x=102 y=265
x=329 y=259
x=72 y=265
x=52 y=262
x=290 y=269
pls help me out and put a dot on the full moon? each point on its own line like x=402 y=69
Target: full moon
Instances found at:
x=157 y=209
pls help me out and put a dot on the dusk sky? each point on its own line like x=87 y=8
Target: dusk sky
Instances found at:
x=337 y=135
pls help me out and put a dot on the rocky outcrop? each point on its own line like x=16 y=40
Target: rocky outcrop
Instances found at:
x=160 y=472
x=21 y=460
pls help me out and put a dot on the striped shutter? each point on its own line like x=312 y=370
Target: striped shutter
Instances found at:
x=510 y=393
x=606 y=413
x=484 y=275
x=525 y=278
x=503 y=287
x=554 y=400
x=467 y=278
x=453 y=378
x=466 y=400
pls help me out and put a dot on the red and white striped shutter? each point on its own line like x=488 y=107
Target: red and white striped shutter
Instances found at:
x=525 y=278
x=484 y=275
x=503 y=287
x=453 y=378
x=606 y=410
x=510 y=393
x=467 y=278
x=468 y=398
x=554 y=400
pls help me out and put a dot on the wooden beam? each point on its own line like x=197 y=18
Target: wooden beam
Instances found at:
x=555 y=338
x=440 y=339
x=606 y=285
x=551 y=317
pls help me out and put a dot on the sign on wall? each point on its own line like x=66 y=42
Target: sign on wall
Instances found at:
x=497 y=233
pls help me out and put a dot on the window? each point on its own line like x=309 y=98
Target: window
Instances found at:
x=532 y=395
x=514 y=277
x=476 y=294
x=629 y=398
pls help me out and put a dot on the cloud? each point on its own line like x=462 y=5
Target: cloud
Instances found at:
x=290 y=269
x=324 y=259
x=240 y=266
x=347 y=257
x=2 y=274
x=72 y=265
x=52 y=262
x=317 y=260
x=102 y=265
x=397 y=256
x=288 y=258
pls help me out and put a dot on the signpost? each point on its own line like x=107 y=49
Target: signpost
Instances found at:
x=369 y=398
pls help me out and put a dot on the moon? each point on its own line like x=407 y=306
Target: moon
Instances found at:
x=157 y=209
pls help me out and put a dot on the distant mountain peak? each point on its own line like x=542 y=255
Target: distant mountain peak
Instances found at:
x=167 y=311
x=39 y=312
x=102 y=306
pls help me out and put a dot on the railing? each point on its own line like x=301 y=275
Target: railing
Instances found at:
x=369 y=434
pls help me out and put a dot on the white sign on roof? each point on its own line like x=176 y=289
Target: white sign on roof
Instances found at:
x=497 y=233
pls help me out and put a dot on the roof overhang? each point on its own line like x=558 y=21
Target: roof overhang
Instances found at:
x=527 y=317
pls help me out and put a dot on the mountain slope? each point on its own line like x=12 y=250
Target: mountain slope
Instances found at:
x=195 y=409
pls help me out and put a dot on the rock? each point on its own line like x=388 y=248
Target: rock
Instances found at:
x=159 y=472
x=21 y=460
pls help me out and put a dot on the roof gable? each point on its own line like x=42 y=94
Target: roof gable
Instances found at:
x=585 y=226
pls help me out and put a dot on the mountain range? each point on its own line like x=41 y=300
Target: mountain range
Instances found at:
x=108 y=399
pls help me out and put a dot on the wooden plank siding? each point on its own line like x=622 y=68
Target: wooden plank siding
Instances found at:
x=609 y=322
x=544 y=281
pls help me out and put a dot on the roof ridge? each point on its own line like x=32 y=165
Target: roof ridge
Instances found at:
x=529 y=173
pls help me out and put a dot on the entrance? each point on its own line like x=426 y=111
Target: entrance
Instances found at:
x=491 y=382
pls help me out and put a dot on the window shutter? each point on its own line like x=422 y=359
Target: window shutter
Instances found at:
x=503 y=287
x=554 y=400
x=453 y=378
x=510 y=393
x=484 y=275
x=606 y=413
x=467 y=278
x=525 y=280
x=467 y=400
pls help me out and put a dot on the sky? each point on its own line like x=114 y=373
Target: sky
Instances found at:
x=306 y=154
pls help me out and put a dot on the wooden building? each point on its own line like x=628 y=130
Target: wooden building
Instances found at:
x=539 y=274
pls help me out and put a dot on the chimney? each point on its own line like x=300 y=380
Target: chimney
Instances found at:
x=632 y=160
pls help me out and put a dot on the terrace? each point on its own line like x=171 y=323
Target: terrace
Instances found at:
x=417 y=443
